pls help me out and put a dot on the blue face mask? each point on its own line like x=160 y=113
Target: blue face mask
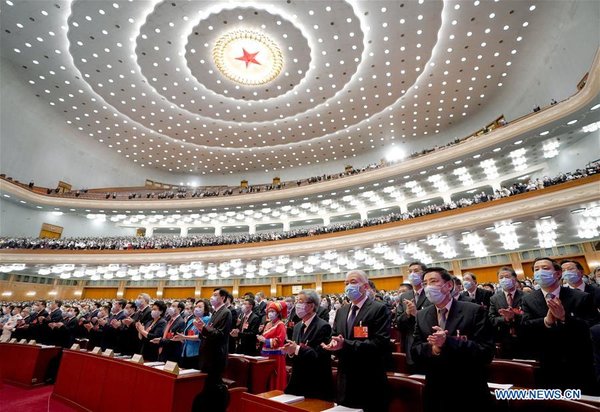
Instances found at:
x=415 y=279
x=571 y=277
x=467 y=284
x=353 y=291
x=435 y=294
x=507 y=283
x=544 y=278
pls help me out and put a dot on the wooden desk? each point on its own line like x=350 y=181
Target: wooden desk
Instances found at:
x=24 y=364
x=262 y=375
x=98 y=383
x=261 y=403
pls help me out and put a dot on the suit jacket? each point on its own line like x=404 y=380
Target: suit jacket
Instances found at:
x=171 y=350
x=482 y=297
x=464 y=298
x=595 y=292
x=234 y=316
x=260 y=309
x=247 y=335
x=150 y=350
x=595 y=335
x=561 y=365
x=506 y=333
x=463 y=359
x=311 y=368
x=406 y=323
x=213 y=355
x=323 y=313
x=362 y=379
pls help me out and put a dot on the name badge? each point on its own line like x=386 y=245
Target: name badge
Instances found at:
x=361 y=331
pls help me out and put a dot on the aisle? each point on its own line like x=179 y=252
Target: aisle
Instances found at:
x=17 y=399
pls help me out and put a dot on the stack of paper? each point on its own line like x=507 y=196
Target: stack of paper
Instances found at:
x=256 y=357
x=153 y=364
x=340 y=408
x=188 y=371
x=287 y=399
x=493 y=385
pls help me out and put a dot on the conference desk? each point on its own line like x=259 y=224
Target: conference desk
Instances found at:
x=262 y=403
x=24 y=364
x=99 y=383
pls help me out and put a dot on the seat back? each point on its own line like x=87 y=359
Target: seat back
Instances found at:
x=407 y=394
x=516 y=373
x=238 y=370
x=399 y=363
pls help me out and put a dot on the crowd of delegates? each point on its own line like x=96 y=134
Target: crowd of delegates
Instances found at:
x=173 y=242
x=446 y=325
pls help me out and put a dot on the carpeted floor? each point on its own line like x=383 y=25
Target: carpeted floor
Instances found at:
x=17 y=399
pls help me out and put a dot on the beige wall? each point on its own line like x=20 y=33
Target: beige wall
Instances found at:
x=20 y=291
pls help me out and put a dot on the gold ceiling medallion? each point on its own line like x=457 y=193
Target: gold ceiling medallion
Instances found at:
x=248 y=57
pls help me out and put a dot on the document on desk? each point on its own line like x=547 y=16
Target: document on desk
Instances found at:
x=153 y=364
x=256 y=357
x=340 y=408
x=493 y=385
x=287 y=399
x=417 y=376
x=188 y=371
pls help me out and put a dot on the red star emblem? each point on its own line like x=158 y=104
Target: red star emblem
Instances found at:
x=248 y=58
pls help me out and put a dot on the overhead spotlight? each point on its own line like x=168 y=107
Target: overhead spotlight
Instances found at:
x=394 y=154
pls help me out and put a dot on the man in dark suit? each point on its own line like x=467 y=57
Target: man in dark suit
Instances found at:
x=261 y=305
x=556 y=321
x=505 y=314
x=311 y=364
x=409 y=304
x=169 y=349
x=143 y=314
x=572 y=272
x=112 y=332
x=213 y=355
x=246 y=329
x=479 y=295
x=361 y=341
x=453 y=343
x=234 y=316
x=54 y=322
x=595 y=335
x=457 y=291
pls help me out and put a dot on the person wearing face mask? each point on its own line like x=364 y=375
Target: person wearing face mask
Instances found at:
x=273 y=338
x=323 y=309
x=111 y=333
x=311 y=364
x=479 y=295
x=213 y=354
x=556 y=321
x=9 y=326
x=169 y=349
x=595 y=277
x=72 y=329
x=334 y=308
x=406 y=311
x=261 y=305
x=457 y=291
x=151 y=330
x=505 y=315
x=572 y=274
x=361 y=341
x=246 y=329
x=190 y=337
x=453 y=341
x=128 y=340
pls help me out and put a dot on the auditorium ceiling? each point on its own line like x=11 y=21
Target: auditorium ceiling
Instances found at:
x=203 y=87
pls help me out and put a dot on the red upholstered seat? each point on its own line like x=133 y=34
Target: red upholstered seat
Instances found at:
x=407 y=394
x=519 y=374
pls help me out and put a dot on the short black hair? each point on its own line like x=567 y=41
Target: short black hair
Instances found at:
x=249 y=295
x=473 y=276
x=58 y=302
x=509 y=270
x=222 y=292
x=181 y=306
x=121 y=302
x=554 y=263
x=577 y=264
x=162 y=306
x=251 y=301
x=446 y=276
x=456 y=280
x=372 y=285
x=416 y=262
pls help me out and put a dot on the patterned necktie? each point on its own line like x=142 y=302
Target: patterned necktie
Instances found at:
x=302 y=330
x=351 y=318
x=442 y=318
x=509 y=300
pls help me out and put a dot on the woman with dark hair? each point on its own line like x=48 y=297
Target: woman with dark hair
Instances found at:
x=192 y=341
x=154 y=328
